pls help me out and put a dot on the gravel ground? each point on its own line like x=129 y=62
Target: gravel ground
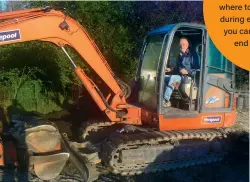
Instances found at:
x=13 y=175
x=242 y=123
x=233 y=169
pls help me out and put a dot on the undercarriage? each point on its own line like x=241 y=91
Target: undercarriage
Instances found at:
x=118 y=148
x=130 y=150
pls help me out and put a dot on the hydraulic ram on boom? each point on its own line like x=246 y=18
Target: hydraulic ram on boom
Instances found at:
x=28 y=25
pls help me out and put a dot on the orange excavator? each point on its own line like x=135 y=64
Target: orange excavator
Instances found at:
x=137 y=134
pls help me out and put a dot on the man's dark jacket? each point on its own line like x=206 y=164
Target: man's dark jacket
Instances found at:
x=188 y=61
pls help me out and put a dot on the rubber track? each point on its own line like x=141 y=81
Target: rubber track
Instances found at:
x=126 y=142
x=92 y=126
x=114 y=144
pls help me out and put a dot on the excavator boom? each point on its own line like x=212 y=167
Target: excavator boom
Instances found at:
x=43 y=139
x=46 y=24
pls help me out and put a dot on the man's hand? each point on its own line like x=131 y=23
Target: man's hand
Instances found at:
x=168 y=70
x=184 y=71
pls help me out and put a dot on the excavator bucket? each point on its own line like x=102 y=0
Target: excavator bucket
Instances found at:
x=49 y=167
x=87 y=170
x=40 y=141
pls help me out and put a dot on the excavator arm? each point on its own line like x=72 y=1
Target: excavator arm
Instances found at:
x=46 y=24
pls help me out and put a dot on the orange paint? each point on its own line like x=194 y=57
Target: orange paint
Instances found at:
x=58 y=147
x=8 y=154
x=227 y=120
x=133 y=116
x=1 y=154
x=233 y=46
x=36 y=24
x=90 y=87
x=149 y=118
x=224 y=97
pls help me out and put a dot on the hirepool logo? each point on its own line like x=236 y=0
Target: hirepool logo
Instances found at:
x=10 y=35
x=211 y=119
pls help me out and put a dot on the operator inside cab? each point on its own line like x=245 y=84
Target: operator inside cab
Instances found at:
x=177 y=70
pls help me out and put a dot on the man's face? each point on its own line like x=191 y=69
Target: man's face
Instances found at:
x=184 y=45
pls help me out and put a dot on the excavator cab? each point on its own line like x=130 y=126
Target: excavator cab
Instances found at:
x=210 y=90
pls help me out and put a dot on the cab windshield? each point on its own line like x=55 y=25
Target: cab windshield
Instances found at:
x=152 y=52
x=152 y=56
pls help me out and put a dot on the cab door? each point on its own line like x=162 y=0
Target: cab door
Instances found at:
x=218 y=80
x=148 y=72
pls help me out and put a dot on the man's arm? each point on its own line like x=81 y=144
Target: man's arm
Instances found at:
x=172 y=65
x=195 y=65
x=189 y=68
